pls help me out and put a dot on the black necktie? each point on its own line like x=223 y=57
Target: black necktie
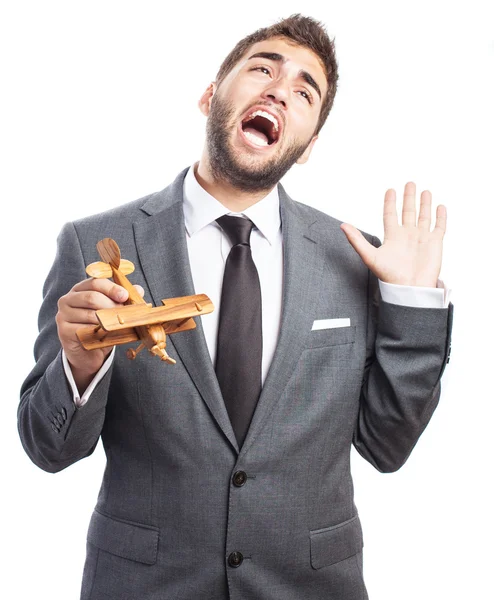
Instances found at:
x=239 y=349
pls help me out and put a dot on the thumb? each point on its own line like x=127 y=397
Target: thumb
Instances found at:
x=139 y=289
x=364 y=249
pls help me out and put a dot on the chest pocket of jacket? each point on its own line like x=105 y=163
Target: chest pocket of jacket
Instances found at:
x=334 y=544
x=334 y=336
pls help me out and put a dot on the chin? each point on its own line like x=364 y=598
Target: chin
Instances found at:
x=247 y=169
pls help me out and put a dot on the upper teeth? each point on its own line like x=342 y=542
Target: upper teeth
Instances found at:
x=266 y=115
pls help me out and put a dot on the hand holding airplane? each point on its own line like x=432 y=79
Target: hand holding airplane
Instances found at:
x=137 y=320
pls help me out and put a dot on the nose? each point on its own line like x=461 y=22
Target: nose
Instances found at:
x=277 y=92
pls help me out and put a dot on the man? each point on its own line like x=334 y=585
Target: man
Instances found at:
x=228 y=473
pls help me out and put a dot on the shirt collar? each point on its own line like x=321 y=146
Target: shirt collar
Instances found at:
x=201 y=209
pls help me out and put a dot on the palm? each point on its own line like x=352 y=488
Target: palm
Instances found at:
x=410 y=254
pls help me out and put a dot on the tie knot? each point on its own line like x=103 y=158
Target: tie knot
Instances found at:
x=236 y=228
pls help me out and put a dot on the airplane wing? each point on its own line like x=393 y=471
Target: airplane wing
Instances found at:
x=202 y=299
x=174 y=309
x=101 y=339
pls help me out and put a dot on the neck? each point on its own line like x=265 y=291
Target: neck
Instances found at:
x=235 y=200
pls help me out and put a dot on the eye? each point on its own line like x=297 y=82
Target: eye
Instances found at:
x=264 y=70
x=306 y=95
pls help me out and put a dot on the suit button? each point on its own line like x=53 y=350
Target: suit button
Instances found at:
x=235 y=559
x=239 y=478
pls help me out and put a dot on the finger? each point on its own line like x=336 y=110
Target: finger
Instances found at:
x=441 y=218
x=86 y=316
x=408 y=215
x=424 y=221
x=360 y=244
x=390 y=217
x=140 y=289
x=105 y=286
x=67 y=330
x=88 y=299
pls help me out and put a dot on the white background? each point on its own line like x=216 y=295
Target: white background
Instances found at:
x=99 y=107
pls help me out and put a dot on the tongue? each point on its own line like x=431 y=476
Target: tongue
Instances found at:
x=257 y=133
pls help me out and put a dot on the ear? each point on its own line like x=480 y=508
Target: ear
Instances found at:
x=305 y=156
x=205 y=100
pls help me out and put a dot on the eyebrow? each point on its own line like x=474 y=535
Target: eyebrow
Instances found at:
x=305 y=75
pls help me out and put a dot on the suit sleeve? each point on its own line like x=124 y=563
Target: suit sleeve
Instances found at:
x=407 y=351
x=55 y=432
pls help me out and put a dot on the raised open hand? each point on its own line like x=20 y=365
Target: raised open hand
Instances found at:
x=410 y=254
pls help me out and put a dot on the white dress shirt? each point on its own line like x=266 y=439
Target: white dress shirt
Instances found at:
x=208 y=249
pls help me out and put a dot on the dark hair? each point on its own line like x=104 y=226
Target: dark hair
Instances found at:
x=302 y=31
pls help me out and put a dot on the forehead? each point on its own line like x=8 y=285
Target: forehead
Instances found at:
x=297 y=58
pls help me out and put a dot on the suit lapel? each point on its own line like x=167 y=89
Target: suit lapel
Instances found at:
x=162 y=248
x=302 y=274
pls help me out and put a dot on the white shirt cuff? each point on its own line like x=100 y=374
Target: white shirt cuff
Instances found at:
x=416 y=296
x=78 y=400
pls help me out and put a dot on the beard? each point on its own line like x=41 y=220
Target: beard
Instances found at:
x=252 y=176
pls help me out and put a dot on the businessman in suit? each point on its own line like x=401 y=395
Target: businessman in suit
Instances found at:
x=228 y=473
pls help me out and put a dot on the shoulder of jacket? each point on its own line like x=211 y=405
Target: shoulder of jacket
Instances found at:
x=323 y=222
x=127 y=210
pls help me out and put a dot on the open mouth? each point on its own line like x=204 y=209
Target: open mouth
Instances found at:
x=261 y=128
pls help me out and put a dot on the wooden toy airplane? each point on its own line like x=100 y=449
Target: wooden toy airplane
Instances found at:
x=137 y=320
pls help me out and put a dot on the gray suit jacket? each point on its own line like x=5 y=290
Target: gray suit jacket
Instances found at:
x=170 y=512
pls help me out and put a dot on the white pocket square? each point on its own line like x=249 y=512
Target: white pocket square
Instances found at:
x=330 y=323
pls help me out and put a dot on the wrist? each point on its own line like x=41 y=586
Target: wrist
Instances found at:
x=413 y=283
x=82 y=377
